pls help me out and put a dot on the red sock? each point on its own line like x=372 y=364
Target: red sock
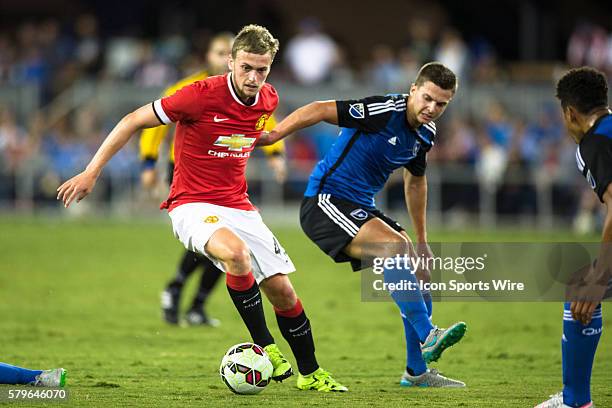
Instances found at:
x=240 y=283
x=295 y=311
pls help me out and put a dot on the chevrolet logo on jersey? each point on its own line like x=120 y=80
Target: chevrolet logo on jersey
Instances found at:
x=235 y=143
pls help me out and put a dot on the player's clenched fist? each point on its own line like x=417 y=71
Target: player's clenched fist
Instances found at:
x=77 y=187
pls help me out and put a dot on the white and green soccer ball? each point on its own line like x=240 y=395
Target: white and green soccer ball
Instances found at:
x=246 y=369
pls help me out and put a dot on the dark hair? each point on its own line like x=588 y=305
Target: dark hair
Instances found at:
x=255 y=39
x=583 y=88
x=437 y=73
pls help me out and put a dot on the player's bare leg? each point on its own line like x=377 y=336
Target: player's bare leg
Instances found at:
x=279 y=291
x=376 y=239
x=229 y=248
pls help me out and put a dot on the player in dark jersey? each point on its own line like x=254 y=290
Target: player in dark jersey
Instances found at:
x=380 y=134
x=219 y=120
x=583 y=93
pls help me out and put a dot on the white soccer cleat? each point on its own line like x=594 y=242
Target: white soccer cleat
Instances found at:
x=439 y=340
x=55 y=377
x=556 y=401
x=430 y=378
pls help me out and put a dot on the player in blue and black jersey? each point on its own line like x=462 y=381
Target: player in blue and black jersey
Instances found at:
x=380 y=134
x=583 y=93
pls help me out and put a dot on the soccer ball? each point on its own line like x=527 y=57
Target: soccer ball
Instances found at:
x=246 y=369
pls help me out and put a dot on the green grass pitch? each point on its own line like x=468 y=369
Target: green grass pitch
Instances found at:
x=85 y=296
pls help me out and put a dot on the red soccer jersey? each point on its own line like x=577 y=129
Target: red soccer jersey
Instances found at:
x=215 y=135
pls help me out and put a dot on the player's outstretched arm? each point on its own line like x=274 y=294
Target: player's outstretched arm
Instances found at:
x=415 y=192
x=305 y=116
x=583 y=310
x=150 y=142
x=81 y=185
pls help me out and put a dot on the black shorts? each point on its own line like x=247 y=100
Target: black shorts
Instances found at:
x=332 y=223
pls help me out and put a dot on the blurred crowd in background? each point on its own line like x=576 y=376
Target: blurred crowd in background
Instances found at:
x=55 y=57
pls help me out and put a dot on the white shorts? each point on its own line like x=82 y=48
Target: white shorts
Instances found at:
x=195 y=223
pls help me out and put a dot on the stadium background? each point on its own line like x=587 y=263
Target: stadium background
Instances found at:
x=80 y=288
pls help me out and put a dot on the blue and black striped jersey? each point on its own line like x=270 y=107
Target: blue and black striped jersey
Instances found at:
x=594 y=155
x=375 y=139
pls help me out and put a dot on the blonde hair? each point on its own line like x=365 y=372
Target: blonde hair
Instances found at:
x=255 y=39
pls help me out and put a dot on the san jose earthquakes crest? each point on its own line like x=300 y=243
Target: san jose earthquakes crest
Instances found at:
x=359 y=214
x=357 y=110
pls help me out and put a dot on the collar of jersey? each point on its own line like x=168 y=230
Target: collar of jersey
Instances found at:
x=236 y=98
x=426 y=143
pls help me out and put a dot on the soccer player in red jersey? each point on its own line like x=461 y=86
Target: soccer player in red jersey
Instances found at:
x=219 y=120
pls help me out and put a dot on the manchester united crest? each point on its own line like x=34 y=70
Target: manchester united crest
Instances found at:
x=211 y=219
x=261 y=122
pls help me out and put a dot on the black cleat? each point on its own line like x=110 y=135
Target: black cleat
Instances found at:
x=169 y=305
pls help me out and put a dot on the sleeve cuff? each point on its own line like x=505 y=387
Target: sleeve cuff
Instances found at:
x=148 y=163
x=159 y=112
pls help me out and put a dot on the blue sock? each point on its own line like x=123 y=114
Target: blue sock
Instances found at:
x=428 y=302
x=410 y=302
x=10 y=374
x=415 y=365
x=578 y=348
